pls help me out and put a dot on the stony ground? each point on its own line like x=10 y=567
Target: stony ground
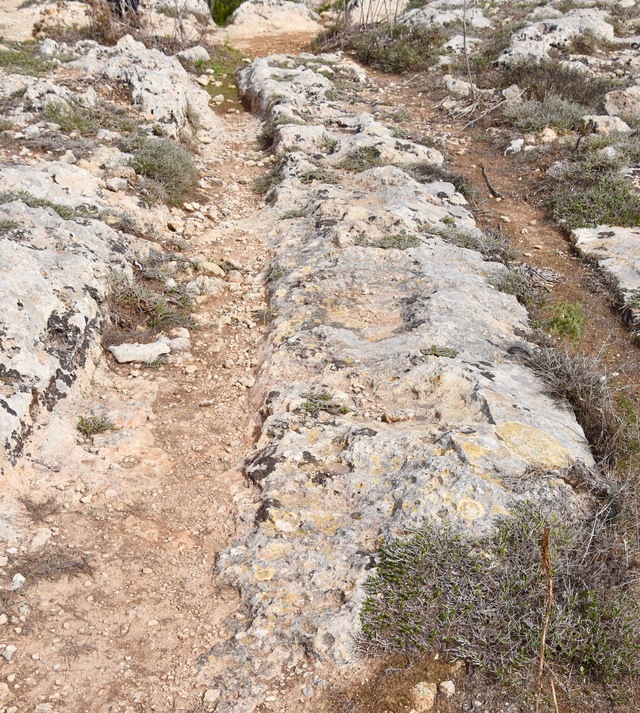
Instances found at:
x=122 y=607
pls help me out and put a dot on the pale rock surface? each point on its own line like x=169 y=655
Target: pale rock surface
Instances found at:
x=159 y=85
x=443 y=13
x=623 y=102
x=364 y=434
x=51 y=287
x=617 y=252
x=256 y=18
x=143 y=353
x=537 y=40
x=603 y=125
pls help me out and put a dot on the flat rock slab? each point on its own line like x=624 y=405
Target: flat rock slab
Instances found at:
x=142 y=353
x=617 y=252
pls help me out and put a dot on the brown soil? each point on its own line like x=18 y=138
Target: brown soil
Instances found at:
x=122 y=607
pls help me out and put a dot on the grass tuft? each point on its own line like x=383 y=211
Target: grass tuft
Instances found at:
x=428 y=172
x=91 y=425
x=167 y=164
x=492 y=245
x=361 y=159
x=553 y=111
x=397 y=241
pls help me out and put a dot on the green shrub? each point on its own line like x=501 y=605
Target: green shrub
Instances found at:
x=166 y=163
x=221 y=10
x=567 y=321
x=483 y=600
x=552 y=111
x=91 y=425
x=609 y=199
x=551 y=77
x=361 y=159
x=6 y=225
x=394 y=49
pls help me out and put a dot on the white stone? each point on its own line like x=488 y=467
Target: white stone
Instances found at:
x=514 y=147
x=424 y=696
x=211 y=695
x=17 y=582
x=116 y=184
x=603 y=125
x=144 y=353
x=447 y=688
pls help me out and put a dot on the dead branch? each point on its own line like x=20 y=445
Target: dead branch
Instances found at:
x=494 y=192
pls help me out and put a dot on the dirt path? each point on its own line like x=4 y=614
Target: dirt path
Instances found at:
x=130 y=631
x=134 y=631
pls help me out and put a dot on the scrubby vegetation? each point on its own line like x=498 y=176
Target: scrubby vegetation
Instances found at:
x=552 y=111
x=24 y=58
x=427 y=172
x=484 y=600
x=166 y=164
x=390 y=48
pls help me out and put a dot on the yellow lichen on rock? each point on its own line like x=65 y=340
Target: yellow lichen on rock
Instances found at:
x=534 y=446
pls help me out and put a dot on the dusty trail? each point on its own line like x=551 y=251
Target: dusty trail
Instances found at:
x=134 y=632
x=129 y=632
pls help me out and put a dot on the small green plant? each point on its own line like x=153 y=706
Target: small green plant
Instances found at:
x=92 y=425
x=291 y=214
x=318 y=174
x=436 y=351
x=321 y=401
x=329 y=144
x=567 y=321
x=267 y=134
x=361 y=159
x=7 y=225
x=63 y=211
x=68 y=117
x=263 y=184
x=167 y=164
x=397 y=241
x=24 y=58
x=5 y=124
x=276 y=272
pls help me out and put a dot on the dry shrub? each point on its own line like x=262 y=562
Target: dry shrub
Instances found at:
x=483 y=600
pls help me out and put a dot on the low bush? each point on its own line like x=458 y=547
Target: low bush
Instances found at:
x=361 y=159
x=398 y=48
x=513 y=282
x=168 y=164
x=551 y=77
x=552 y=111
x=397 y=241
x=92 y=425
x=483 y=600
x=567 y=321
x=492 y=245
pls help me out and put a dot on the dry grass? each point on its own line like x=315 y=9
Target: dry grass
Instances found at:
x=40 y=510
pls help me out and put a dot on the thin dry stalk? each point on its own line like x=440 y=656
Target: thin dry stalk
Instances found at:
x=546 y=564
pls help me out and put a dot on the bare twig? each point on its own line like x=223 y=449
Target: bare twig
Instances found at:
x=546 y=564
x=465 y=49
x=494 y=192
x=491 y=109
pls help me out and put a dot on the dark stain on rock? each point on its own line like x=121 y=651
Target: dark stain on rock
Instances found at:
x=262 y=464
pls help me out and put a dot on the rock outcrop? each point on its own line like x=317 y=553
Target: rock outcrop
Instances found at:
x=390 y=389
